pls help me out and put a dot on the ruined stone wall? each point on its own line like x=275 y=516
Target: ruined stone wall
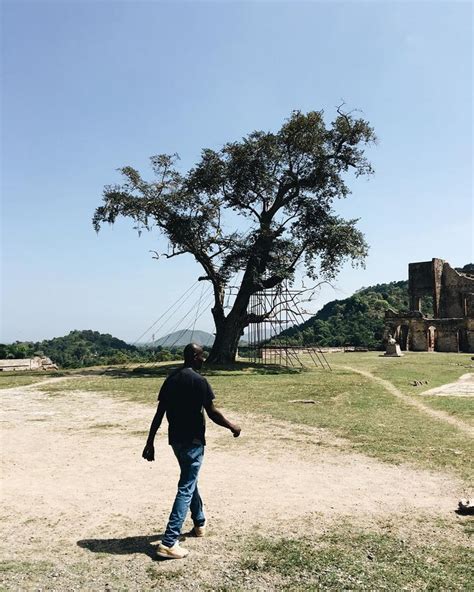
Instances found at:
x=416 y=333
x=420 y=282
x=451 y=290
x=449 y=338
x=26 y=364
x=438 y=266
x=456 y=290
x=470 y=335
x=418 y=336
x=470 y=305
x=452 y=328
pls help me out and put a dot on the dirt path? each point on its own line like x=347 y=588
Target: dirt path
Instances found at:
x=463 y=387
x=78 y=497
x=439 y=415
x=53 y=380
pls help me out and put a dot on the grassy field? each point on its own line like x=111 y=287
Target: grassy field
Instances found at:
x=350 y=405
x=350 y=558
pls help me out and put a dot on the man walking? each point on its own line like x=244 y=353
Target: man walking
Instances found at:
x=183 y=396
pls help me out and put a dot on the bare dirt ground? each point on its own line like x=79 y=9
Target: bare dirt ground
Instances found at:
x=82 y=508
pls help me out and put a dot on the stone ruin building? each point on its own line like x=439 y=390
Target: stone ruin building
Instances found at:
x=449 y=327
x=22 y=365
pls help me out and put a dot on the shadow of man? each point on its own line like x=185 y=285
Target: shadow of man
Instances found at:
x=125 y=546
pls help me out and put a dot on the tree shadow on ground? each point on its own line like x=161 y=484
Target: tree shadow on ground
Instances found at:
x=125 y=546
x=251 y=368
x=165 y=369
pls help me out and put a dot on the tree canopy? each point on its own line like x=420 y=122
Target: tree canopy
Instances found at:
x=282 y=184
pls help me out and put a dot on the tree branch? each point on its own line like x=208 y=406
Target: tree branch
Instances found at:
x=220 y=251
x=168 y=255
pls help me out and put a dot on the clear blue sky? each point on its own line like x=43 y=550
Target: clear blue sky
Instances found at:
x=91 y=86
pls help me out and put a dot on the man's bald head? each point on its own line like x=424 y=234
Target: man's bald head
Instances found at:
x=193 y=355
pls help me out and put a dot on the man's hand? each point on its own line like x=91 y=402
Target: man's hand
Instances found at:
x=149 y=452
x=235 y=429
x=216 y=416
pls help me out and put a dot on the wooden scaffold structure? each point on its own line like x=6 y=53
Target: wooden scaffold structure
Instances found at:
x=275 y=311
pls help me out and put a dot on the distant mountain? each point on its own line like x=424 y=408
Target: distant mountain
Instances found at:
x=182 y=338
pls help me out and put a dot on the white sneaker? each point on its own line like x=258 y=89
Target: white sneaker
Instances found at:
x=174 y=552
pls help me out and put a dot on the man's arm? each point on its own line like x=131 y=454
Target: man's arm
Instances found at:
x=149 y=450
x=216 y=416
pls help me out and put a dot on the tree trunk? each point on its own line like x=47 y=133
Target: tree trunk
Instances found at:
x=228 y=334
x=229 y=329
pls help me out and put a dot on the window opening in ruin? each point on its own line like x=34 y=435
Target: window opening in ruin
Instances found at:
x=460 y=337
x=396 y=334
x=426 y=306
x=404 y=337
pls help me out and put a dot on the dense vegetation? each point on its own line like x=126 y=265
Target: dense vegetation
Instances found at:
x=87 y=348
x=357 y=321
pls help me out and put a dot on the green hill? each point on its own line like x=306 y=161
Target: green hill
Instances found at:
x=357 y=320
x=91 y=348
x=78 y=348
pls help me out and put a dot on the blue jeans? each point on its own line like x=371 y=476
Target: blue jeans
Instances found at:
x=190 y=457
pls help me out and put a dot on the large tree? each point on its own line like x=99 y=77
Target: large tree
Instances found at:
x=284 y=184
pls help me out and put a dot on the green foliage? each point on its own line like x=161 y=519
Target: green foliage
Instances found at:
x=87 y=348
x=165 y=355
x=357 y=321
x=468 y=268
x=294 y=174
x=18 y=350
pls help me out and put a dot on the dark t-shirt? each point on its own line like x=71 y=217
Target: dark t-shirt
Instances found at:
x=185 y=393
